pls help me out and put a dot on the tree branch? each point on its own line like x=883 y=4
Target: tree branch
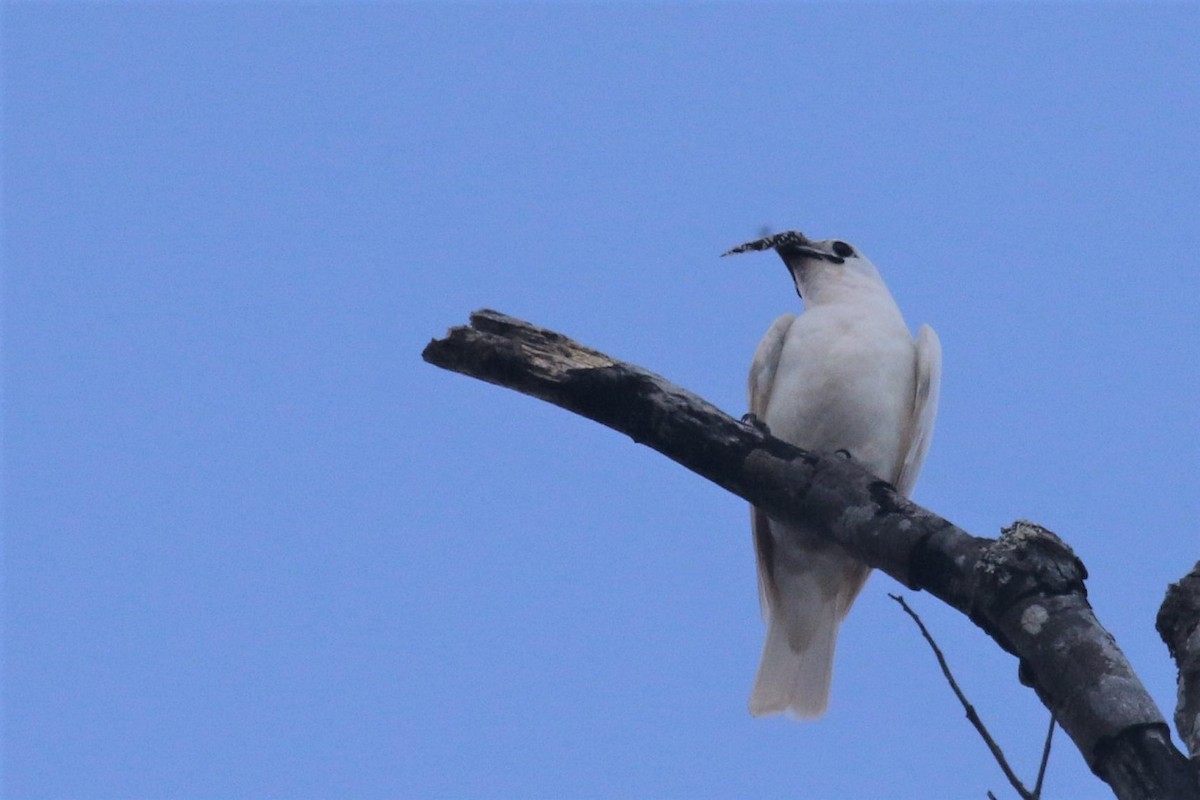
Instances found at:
x=972 y=715
x=1025 y=589
x=1041 y=776
x=1179 y=625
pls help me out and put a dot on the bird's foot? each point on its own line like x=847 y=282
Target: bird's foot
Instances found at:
x=753 y=422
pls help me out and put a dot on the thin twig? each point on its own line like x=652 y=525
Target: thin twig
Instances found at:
x=1037 y=787
x=962 y=698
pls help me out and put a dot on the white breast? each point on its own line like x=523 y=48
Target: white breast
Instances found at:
x=845 y=385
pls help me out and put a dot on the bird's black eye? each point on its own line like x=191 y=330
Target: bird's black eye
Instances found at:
x=842 y=249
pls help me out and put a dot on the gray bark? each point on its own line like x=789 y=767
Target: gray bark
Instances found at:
x=1179 y=626
x=1025 y=589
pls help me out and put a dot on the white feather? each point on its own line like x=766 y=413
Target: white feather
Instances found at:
x=843 y=375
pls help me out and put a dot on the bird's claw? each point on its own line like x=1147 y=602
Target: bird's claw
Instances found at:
x=753 y=422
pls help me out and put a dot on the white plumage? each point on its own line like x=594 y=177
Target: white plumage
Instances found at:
x=843 y=375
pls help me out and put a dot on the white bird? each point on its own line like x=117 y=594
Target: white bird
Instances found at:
x=844 y=375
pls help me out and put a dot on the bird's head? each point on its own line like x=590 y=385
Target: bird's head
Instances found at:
x=821 y=269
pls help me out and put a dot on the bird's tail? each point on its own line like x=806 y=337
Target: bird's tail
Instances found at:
x=795 y=676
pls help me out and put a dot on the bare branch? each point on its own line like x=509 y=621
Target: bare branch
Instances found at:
x=1179 y=625
x=972 y=714
x=1024 y=589
x=1041 y=776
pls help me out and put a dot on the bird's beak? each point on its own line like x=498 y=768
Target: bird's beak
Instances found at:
x=789 y=245
x=794 y=248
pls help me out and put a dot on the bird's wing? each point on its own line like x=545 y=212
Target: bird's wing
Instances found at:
x=924 y=409
x=761 y=382
x=766 y=361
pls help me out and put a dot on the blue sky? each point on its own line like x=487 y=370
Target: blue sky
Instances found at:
x=255 y=547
